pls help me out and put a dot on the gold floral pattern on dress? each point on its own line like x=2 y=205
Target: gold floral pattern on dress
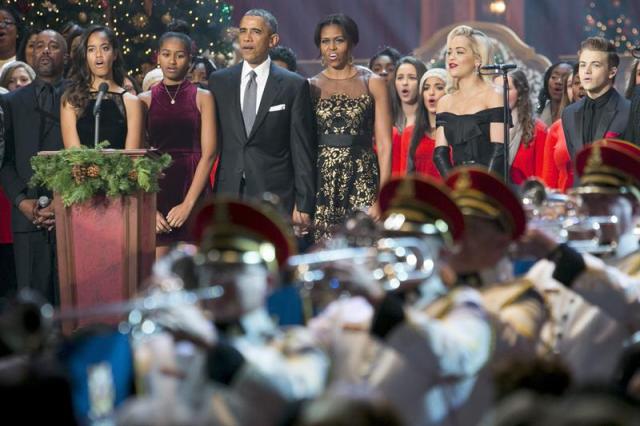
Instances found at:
x=342 y=115
x=348 y=181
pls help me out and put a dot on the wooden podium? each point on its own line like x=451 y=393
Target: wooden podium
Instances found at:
x=105 y=247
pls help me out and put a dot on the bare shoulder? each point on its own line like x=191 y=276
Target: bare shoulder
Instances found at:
x=493 y=97
x=204 y=94
x=130 y=99
x=377 y=85
x=444 y=104
x=376 y=80
x=145 y=97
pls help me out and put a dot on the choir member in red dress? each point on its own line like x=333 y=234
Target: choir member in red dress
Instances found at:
x=419 y=150
x=557 y=168
x=528 y=134
x=405 y=101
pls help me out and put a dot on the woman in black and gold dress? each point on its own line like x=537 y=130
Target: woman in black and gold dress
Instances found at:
x=351 y=106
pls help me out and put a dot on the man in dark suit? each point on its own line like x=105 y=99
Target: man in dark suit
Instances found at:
x=603 y=113
x=266 y=124
x=32 y=124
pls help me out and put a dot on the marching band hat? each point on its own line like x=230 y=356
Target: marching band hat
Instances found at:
x=477 y=192
x=234 y=231
x=420 y=204
x=609 y=166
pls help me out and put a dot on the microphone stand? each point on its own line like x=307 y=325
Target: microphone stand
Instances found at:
x=506 y=114
x=96 y=133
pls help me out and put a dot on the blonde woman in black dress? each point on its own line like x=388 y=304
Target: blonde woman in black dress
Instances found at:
x=469 y=119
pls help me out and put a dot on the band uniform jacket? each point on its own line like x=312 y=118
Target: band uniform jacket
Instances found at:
x=589 y=322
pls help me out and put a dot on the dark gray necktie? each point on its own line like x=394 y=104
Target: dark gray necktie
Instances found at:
x=249 y=102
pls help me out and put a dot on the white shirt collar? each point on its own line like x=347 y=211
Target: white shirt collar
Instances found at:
x=262 y=70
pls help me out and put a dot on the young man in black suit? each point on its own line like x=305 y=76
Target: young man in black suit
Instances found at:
x=32 y=124
x=266 y=124
x=603 y=113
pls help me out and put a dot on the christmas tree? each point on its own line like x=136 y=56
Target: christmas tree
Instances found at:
x=140 y=24
x=614 y=20
x=54 y=14
x=137 y=23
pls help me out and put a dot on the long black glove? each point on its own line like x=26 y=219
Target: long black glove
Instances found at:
x=496 y=162
x=442 y=159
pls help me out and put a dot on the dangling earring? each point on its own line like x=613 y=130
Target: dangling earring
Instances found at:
x=350 y=59
x=322 y=62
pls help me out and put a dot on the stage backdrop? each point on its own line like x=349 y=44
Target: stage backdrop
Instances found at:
x=554 y=28
x=380 y=22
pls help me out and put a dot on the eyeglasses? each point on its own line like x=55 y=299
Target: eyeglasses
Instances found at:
x=6 y=23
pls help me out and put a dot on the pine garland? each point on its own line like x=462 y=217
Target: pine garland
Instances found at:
x=78 y=174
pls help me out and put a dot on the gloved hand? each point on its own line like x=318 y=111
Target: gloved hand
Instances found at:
x=442 y=159
x=496 y=162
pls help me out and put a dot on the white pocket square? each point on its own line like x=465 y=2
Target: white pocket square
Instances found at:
x=277 y=107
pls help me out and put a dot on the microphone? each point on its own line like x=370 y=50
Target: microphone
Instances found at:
x=43 y=202
x=102 y=89
x=499 y=67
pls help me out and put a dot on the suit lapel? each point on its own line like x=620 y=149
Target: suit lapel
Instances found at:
x=610 y=110
x=270 y=91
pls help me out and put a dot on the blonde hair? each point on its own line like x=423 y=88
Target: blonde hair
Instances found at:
x=8 y=70
x=481 y=47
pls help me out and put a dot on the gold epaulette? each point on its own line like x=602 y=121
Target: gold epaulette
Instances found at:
x=498 y=296
x=630 y=264
x=439 y=308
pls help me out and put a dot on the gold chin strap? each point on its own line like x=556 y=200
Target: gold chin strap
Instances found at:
x=235 y=249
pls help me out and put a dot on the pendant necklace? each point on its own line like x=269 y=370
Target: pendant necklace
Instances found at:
x=173 y=98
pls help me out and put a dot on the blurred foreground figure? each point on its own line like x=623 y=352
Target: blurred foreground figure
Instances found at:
x=594 y=301
x=430 y=341
x=246 y=371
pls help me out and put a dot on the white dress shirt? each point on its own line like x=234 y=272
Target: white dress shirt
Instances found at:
x=262 y=74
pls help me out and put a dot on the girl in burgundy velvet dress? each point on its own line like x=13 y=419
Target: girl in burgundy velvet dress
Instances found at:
x=180 y=122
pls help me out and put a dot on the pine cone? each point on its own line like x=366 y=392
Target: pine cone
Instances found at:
x=78 y=172
x=133 y=175
x=93 y=171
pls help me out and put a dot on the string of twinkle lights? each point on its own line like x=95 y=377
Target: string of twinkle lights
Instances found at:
x=137 y=23
x=613 y=19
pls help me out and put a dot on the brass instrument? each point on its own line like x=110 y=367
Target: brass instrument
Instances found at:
x=396 y=262
x=560 y=216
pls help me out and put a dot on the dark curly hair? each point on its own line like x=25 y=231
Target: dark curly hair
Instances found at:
x=21 y=52
x=544 y=95
x=389 y=51
x=17 y=18
x=286 y=55
x=78 y=91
